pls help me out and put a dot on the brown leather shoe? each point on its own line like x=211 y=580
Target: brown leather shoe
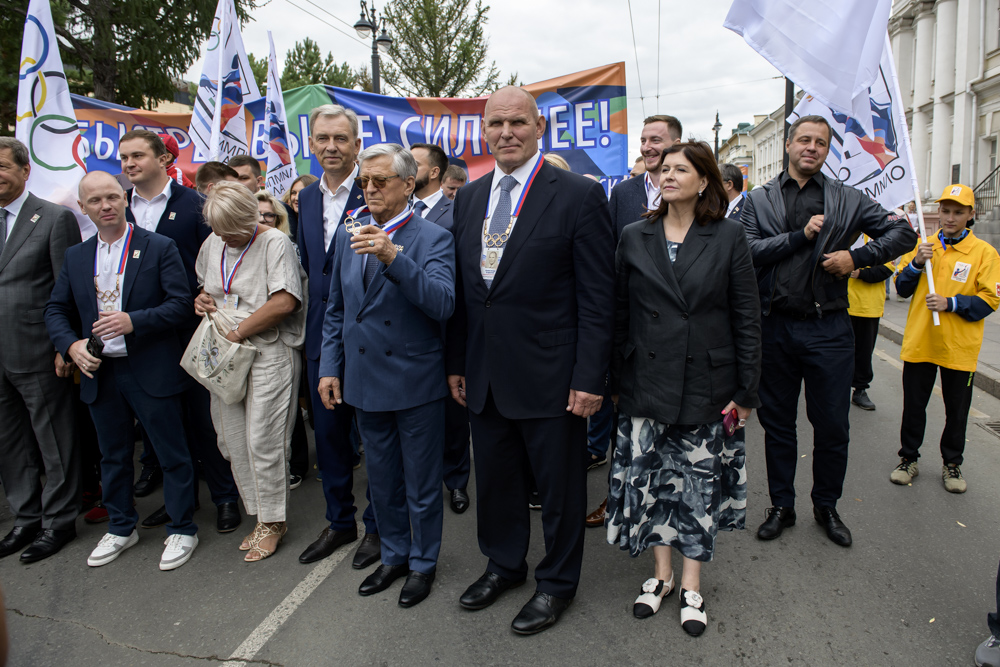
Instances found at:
x=596 y=518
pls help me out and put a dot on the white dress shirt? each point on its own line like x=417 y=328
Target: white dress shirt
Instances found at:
x=13 y=210
x=147 y=213
x=334 y=204
x=732 y=204
x=521 y=175
x=108 y=257
x=652 y=193
x=430 y=201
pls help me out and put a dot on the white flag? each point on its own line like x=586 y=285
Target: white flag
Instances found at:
x=281 y=169
x=829 y=48
x=878 y=162
x=218 y=122
x=46 y=121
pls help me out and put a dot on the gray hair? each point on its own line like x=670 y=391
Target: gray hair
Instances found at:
x=402 y=160
x=333 y=111
x=17 y=149
x=230 y=208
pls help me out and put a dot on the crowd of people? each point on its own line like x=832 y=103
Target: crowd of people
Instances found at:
x=411 y=313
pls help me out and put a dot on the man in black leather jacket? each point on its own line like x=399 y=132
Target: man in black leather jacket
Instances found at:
x=800 y=227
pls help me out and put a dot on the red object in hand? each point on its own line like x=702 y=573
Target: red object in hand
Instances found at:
x=730 y=422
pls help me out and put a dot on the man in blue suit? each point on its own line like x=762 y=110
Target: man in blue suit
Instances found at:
x=323 y=207
x=124 y=338
x=158 y=204
x=430 y=202
x=732 y=181
x=391 y=290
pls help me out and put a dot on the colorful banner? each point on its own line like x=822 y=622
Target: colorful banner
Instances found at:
x=585 y=114
x=281 y=170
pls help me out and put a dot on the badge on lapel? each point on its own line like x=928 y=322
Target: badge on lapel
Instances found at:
x=172 y=215
x=399 y=248
x=135 y=254
x=35 y=218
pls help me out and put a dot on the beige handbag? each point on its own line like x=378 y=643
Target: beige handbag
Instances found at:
x=217 y=363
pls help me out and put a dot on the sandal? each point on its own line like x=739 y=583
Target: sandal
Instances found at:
x=245 y=544
x=693 y=616
x=653 y=592
x=260 y=533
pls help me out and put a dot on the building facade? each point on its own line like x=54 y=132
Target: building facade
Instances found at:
x=739 y=150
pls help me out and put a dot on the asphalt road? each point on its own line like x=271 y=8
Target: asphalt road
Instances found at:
x=913 y=590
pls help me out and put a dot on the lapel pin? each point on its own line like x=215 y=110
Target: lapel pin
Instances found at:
x=35 y=217
x=172 y=215
x=399 y=248
x=135 y=255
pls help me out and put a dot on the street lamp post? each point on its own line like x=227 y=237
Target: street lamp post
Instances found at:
x=717 y=127
x=368 y=25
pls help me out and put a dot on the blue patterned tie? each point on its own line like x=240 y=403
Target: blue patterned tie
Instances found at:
x=419 y=208
x=371 y=263
x=501 y=217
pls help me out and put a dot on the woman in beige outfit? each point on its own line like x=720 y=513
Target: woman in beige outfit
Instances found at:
x=250 y=271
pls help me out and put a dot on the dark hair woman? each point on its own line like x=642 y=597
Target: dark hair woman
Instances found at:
x=687 y=354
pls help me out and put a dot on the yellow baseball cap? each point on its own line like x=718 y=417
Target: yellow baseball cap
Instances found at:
x=961 y=194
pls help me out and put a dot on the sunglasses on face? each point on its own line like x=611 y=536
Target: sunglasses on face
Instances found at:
x=379 y=181
x=268 y=217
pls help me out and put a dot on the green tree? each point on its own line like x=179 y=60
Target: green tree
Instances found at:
x=439 y=48
x=304 y=66
x=363 y=79
x=259 y=68
x=134 y=50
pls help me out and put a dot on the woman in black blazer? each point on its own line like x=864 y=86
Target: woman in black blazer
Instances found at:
x=687 y=353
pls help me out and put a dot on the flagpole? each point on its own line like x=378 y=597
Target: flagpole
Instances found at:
x=913 y=172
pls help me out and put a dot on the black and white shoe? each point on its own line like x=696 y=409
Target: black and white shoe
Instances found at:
x=693 y=616
x=653 y=592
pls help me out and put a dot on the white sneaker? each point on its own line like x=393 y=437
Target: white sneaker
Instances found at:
x=693 y=616
x=178 y=551
x=110 y=547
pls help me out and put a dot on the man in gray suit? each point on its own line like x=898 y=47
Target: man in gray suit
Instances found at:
x=36 y=392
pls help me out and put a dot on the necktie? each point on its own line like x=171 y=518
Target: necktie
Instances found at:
x=3 y=228
x=371 y=263
x=419 y=208
x=501 y=216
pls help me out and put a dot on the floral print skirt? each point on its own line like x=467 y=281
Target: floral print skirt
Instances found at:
x=676 y=486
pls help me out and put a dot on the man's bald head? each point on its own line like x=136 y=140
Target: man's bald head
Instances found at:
x=513 y=95
x=95 y=178
x=103 y=200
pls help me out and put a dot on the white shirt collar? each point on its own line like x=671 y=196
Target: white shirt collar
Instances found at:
x=115 y=245
x=165 y=193
x=649 y=183
x=520 y=174
x=733 y=204
x=348 y=182
x=14 y=208
x=431 y=200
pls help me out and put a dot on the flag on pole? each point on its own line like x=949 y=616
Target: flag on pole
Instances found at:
x=877 y=163
x=281 y=169
x=829 y=48
x=218 y=122
x=46 y=121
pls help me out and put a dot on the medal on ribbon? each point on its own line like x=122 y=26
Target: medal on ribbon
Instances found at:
x=108 y=297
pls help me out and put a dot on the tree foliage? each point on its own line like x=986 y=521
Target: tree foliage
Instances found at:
x=439 y=48
x=304 y=66
x=259 y=68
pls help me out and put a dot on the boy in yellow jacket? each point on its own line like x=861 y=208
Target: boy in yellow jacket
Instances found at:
x=967 y=282
x=866 y=296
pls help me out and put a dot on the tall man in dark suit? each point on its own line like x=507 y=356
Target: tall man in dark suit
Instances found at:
x=732 y=181
x=430 y=202
x=36 y=396
x=629 y=200
x=156 y=203
x=528 y=352
x=323 y=207
x=126 y=288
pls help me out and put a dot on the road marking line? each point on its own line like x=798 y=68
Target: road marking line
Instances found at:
x=252 y=645
x=896 y=363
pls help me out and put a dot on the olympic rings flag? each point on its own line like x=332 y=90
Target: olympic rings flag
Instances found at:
x=46 y=120
x=218 y=124
x=281 y=171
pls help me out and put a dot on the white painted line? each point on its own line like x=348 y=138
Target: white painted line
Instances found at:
x=263 y=633
x=896 y=363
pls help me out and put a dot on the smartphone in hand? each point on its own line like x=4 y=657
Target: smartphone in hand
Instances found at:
x=730 y=421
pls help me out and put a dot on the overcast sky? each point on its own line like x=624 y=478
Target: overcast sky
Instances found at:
x=702 y=67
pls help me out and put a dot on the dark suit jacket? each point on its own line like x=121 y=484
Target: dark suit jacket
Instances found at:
x=627 y=203
x=155 y=295
x=687 y=334
x=317 y=260
x=737 y=211
x=183 y=222
x=442 y=213
x=29 y=265
x=545 y=324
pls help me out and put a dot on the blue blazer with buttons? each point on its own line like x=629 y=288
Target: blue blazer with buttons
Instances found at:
x=316 y=259
x=385 y=343
x=441 y=214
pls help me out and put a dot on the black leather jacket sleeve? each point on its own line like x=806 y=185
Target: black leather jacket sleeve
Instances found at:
x=768 y=249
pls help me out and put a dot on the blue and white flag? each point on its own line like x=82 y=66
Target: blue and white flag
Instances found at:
x=46 y=121
x=218 y=123
x=281 y=169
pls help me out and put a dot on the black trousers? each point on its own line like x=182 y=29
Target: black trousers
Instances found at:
x=457 y=462
x=956 y=387
x=819 y=351
x=506 y=451
x=865 y=333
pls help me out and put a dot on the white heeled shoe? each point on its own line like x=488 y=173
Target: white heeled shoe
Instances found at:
x=648 y=603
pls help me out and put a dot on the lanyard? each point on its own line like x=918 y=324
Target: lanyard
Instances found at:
x=227 y=283
x=524 y=191
x=399 y=221
x=944 y=244
x=121 y=262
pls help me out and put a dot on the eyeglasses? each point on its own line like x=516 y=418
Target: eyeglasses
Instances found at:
x=268 y=217
x=379 y=181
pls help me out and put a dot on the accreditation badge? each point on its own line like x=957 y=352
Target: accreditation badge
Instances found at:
x=961 y=272
x=230 y=302
x=490 y=262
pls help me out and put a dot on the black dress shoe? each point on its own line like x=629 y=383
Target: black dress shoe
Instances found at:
x=459 y=500
x=540 y=613
x=229 y=518
x=18 y=538
x=382 y=577
x=329 y=541
x=416 y=588
x=835 y=528
x=149 y=478
x=369 y=551
x=485 y=591
x=156 y=519
x=778 y=518
x=860 y=399
x=47 y=544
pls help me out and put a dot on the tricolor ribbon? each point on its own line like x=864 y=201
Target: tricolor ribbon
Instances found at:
x=227 y=283
x=524 y=191
x=403 y=218
x=121 y=262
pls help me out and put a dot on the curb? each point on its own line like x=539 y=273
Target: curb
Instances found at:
x=985 y=378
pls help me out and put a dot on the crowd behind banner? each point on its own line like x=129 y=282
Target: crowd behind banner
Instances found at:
x=402 y=313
